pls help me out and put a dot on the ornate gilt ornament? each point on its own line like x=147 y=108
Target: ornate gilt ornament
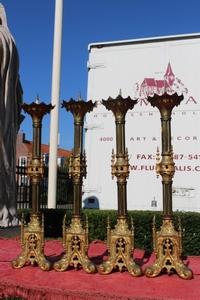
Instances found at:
x=32 y=244
x=75 y=238
x=120 y=244
x=35 y=169
x=167 y=242
x=119 y=106
x=78 y=108
x=75 y=243
x=168 y=250
x=120 y=240
x=77 y=166
x=120 y=166
x=165 y=103
x=32 y=235
x=165 y=167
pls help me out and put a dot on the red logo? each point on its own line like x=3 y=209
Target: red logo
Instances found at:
x=168 y=84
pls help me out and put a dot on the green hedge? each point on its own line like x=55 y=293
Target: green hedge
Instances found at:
x=142 y=223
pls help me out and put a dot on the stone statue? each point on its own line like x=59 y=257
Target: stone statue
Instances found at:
x=10 y=103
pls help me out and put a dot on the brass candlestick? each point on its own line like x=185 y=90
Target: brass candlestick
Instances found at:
x=75 y=238
x=32 y=234
x=120 y=240
x=167 y=242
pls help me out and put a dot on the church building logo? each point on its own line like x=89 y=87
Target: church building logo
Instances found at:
x=168 y=84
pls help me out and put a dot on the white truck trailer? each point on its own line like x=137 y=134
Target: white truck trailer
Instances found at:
x=140 y=68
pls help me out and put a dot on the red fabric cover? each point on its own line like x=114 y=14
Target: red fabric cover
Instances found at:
x=33 y=284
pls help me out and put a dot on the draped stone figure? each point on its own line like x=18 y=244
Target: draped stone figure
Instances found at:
x=10 y=103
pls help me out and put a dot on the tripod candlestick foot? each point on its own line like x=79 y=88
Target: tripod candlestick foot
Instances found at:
x=167 y=243
x=75 y=243
x=32 y=242
x=120 y=250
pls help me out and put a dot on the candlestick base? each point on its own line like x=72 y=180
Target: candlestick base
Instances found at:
x=32 y=243
x=120 y=248
x=168 y=250
x=75 y=242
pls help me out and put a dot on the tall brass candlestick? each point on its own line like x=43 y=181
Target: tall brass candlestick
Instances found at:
x=32 y=235
x=167 y=242
x=120 y=240
x=75 y=238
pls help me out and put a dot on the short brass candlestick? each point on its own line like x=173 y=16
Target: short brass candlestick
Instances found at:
x=75 y=238
x=32 y=234
x=167 y=242
x=120 y=240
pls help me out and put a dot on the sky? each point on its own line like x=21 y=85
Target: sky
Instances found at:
x=84 y=21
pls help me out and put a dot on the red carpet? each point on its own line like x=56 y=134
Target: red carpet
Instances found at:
x=33 y=284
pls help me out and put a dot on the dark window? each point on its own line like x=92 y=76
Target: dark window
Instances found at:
x=91 y=200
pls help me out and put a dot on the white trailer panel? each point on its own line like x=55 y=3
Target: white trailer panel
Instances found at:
x=138 y=68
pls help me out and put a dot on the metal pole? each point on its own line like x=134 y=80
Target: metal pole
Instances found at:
x=55 y=94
